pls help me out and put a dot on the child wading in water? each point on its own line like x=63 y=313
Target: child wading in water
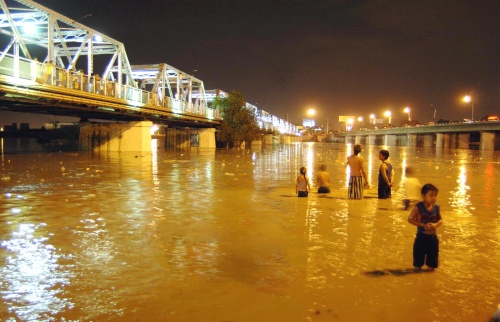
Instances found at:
x=427 y=217
x=385 y=176
x=412 y=187
x=302 y=186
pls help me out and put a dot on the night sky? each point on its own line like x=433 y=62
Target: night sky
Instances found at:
x=341 y=57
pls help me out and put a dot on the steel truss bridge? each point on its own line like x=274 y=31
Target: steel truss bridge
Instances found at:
x=63 y=81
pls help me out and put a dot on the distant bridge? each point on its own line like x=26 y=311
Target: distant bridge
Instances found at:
x=64 y=83
x=484 y=135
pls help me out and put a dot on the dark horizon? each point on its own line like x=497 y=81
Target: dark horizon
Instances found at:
x=339 y=57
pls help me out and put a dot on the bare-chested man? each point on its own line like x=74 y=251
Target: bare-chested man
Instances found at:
x=358 y=173
x=323 y=179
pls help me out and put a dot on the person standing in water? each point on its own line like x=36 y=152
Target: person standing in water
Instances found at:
x=302 y=186
x=385 y=176
x=358 y=173
x=426 y=215
x=412 y=188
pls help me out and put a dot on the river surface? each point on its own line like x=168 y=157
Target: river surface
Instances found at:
x=195 y=235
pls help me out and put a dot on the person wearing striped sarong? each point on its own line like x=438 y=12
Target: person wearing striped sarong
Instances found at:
x=357 y=175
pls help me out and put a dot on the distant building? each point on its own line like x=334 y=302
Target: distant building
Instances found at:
x=58 y=125
x=10 y=128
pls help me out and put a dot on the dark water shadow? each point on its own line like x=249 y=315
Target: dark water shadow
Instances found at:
x=331 y=197
x=396 y=272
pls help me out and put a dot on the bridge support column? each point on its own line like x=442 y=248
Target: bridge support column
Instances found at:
x=439 y=140
x=487 y=141
x=446 y=140
x=268 y=139
x=207 y=138
x=357 y=139
x=371 y=139
x=428 y=138
x=463 y=141
x=390 y=139
x=411 y=140
x=130 y=137
x=285 y=139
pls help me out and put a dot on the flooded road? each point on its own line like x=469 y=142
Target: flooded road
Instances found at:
x=189 y=235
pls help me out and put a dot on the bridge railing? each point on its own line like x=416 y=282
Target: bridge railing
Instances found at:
x=50 y=74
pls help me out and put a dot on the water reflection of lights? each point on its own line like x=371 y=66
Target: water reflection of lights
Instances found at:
x=154 y=161
x=460 y=198
x=31 y=277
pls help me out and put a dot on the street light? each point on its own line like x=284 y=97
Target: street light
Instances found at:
x=388 y=114
x=311 y=112
x=349 y=124
x=372 y=118
x=408 y=110
x=360 y=119
x=468 y=99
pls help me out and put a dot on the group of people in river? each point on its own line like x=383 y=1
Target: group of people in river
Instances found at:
x=426 y=214
x=358 y=180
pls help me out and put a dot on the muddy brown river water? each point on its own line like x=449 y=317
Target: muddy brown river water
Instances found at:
x=195 y=235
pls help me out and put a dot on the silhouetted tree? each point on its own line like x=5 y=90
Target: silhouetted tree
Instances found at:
x=238 y=123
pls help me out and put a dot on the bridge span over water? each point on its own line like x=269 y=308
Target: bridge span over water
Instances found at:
x=48 y=65
x=484 y=135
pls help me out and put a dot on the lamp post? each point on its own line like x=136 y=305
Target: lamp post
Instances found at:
x=360 y=119
x=349 y=124
x=372 y=118
x=468 y=99
x=310 y=113
x=388 y=114
x=408 y=111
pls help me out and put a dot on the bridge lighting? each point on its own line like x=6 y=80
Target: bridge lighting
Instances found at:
x=408 y=111
x=349 y=123
x=30 y=29
x=468 y=99
x=388 y=114
x=361 y=120
x=97 y=38
x=153 y=129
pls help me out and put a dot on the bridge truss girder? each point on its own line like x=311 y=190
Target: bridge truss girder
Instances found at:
x=33 y=27
x=168 y=81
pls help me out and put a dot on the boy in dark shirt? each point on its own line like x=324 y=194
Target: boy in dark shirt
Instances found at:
x=427 y=217
x=385 y=176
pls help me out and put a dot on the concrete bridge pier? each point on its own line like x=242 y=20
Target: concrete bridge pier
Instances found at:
x=268 y=139
x=411 y=140
x=285 y=139
x=440 y=140
x=108 y=137
x=390 y=139
x=371 y=139
x=271 y=139
x=428 y=140
x=206 y=138
x=487 y=140
x=460 y=141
